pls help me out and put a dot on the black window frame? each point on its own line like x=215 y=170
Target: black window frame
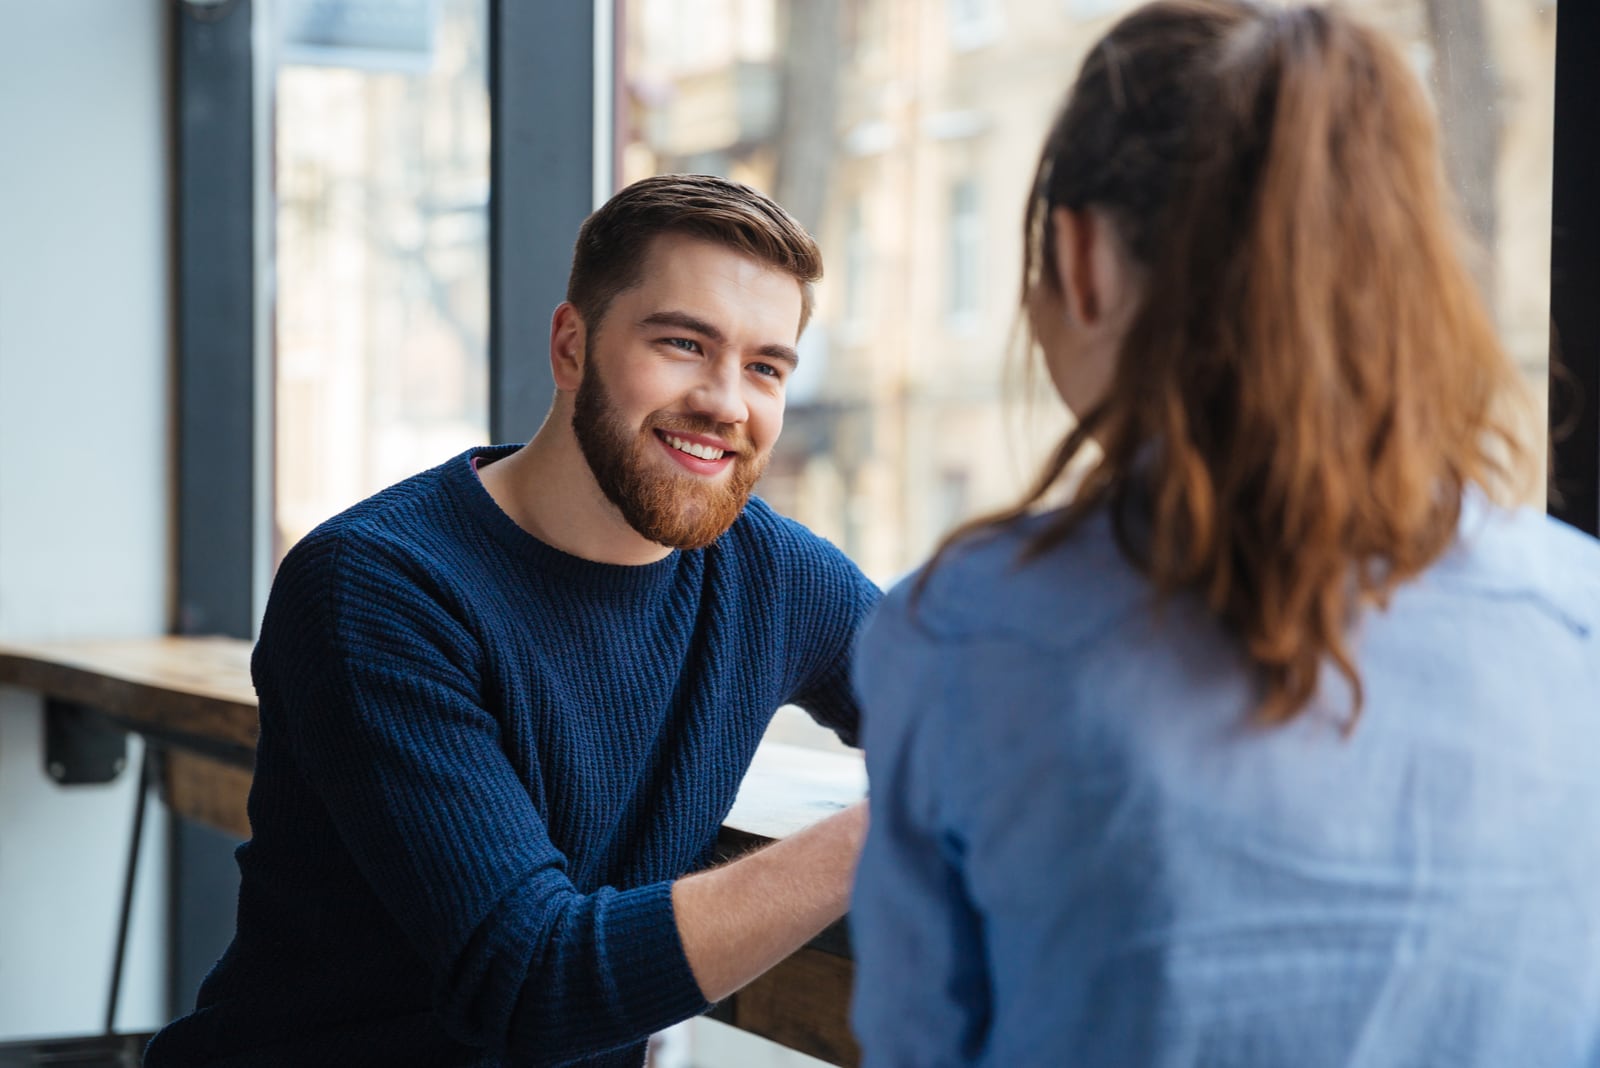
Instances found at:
x=1574 y=414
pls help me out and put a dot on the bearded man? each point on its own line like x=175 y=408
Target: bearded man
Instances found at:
x=506 y=704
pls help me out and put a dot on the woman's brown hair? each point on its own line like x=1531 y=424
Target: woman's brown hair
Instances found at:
x=1311 y=379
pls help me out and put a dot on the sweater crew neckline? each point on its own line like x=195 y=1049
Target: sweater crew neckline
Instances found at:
x=462 y=478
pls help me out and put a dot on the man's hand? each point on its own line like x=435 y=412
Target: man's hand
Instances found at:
x=738 y=920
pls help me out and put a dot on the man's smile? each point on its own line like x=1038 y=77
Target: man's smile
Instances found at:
x=696 y=453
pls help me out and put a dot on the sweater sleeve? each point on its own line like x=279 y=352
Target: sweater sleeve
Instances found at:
x=379 y=687
x=833 y=601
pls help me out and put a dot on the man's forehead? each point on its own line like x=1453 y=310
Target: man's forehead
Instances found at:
x=716 y=282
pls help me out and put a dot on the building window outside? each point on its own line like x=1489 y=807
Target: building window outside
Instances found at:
x=973 y=23
x=381 y=161
x=857 y=271
x=966 y=239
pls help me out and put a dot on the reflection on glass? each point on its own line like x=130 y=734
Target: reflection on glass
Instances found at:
x=903 y=133
x=382 y=181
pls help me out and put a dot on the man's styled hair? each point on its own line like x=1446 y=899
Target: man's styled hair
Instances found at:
x=612 y=243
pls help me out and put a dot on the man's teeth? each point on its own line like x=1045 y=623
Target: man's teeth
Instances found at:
x=704 y=452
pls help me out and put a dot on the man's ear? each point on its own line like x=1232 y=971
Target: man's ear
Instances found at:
x=568 y=347
x=1076 y=237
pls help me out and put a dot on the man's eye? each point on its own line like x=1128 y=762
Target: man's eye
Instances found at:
x=766 y=370
x=683 y=343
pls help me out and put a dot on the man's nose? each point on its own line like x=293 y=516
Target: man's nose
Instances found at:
x=719 y=394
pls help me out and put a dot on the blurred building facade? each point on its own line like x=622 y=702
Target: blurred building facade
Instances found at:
x=905 y=132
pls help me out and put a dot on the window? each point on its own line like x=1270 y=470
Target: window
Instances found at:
x=936 y=137
x=382 y=182
x=966 y=236
x=857 y=269
x=1490 y=66
x=973 y=23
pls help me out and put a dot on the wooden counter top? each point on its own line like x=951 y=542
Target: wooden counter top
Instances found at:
x=175 y=689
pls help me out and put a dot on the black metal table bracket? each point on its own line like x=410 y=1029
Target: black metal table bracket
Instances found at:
x=81 y=746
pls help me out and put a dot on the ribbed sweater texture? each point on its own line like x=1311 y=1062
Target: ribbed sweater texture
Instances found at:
x=482 y=762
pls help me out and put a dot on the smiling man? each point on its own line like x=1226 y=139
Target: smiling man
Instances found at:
x=506 y=704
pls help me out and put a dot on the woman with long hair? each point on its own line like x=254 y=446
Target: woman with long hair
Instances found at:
x=1279 y=743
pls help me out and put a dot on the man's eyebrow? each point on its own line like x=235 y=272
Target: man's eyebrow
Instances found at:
x=781 y=353
x=685 y=321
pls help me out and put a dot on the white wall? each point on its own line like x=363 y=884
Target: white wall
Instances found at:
x=84 y=487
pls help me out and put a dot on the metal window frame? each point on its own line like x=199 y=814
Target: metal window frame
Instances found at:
x=215 y=264
x=550 y=162
x=1574 y=416
x=217 y=417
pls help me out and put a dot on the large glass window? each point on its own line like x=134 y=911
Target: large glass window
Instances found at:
x=381 y=165
x=902 y=132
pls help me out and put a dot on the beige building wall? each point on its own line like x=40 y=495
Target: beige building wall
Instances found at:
x=930 y=413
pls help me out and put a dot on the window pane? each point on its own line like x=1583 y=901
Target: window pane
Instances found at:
x=382 y=171
x=1491 y=67
x=902 y=132
x=965 y=228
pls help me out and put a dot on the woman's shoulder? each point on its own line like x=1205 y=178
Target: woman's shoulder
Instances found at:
x=994 y=583
x=1525 y=553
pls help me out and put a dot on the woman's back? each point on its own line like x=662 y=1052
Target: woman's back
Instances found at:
x=1087 y=853
x=1275 y=744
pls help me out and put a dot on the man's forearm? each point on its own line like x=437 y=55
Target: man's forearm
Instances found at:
x=738 y=920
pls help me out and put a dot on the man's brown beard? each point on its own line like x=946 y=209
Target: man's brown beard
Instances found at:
x=678 y=511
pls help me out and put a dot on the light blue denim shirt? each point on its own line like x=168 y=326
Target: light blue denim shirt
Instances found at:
x=1084 y=854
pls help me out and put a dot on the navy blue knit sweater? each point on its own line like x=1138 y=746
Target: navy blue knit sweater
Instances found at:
x=482 y=762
